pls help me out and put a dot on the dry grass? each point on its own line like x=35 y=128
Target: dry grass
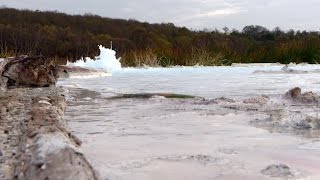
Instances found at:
x=146 y=58
x=58 y=61
x=4 y=53
x=203 y=57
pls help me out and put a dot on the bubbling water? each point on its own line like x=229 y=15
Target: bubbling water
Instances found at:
x=106 y=61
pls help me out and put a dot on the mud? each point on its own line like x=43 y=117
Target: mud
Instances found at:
x=35 y=141
x=222 y=138
x=279 y=171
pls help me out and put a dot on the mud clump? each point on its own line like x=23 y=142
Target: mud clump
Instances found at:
x=293 y=93
x=308 y=122
x=296 y=95
x=296 y=113
x=224 y=100
x=278 y=171
x=261 y=100
x=215 y=101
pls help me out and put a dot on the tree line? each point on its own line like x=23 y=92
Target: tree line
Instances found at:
x=70 y=37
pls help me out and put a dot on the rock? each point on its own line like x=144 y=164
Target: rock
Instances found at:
x=1 y=154
x=261 y=100
x=24 y=71
x=279 y=171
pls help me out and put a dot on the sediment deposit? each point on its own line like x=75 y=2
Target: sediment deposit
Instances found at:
x=35 y=141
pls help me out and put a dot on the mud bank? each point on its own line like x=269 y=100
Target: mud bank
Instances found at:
x=80 y=72
x=35 y=140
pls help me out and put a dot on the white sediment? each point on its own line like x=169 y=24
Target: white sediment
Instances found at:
x=159 y=138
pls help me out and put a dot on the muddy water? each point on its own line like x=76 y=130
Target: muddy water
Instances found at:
x=160 y=138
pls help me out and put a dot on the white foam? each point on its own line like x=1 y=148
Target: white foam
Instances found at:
x=106 y=61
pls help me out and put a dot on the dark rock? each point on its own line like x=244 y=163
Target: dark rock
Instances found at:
x=35 y=71
x=279 y=171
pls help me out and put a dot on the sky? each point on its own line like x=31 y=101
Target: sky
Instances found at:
x=194 y=14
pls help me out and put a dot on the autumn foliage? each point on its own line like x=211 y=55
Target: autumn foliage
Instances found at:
x=70 y=37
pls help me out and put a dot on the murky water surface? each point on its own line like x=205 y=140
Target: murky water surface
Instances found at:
x=159 y=138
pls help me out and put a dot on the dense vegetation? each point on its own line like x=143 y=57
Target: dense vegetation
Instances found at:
x=67 y=37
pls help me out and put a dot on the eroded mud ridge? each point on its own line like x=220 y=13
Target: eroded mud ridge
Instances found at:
x=35 y=141
x=161 y=136
x=295 y=112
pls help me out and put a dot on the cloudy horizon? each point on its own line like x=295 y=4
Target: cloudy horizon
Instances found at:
x=194 y=14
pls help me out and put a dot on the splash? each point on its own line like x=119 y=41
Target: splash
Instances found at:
x=106 y=61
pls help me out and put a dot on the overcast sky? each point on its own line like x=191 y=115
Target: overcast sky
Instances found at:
x=196 y=14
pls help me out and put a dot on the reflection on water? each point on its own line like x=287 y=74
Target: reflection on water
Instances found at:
x=159 y=138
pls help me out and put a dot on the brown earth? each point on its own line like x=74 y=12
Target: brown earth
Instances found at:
x=35 y=141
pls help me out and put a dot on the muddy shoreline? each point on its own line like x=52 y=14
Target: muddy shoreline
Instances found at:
x=35 y=140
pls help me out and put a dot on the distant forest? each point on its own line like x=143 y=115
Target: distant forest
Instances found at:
x=70 y=37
